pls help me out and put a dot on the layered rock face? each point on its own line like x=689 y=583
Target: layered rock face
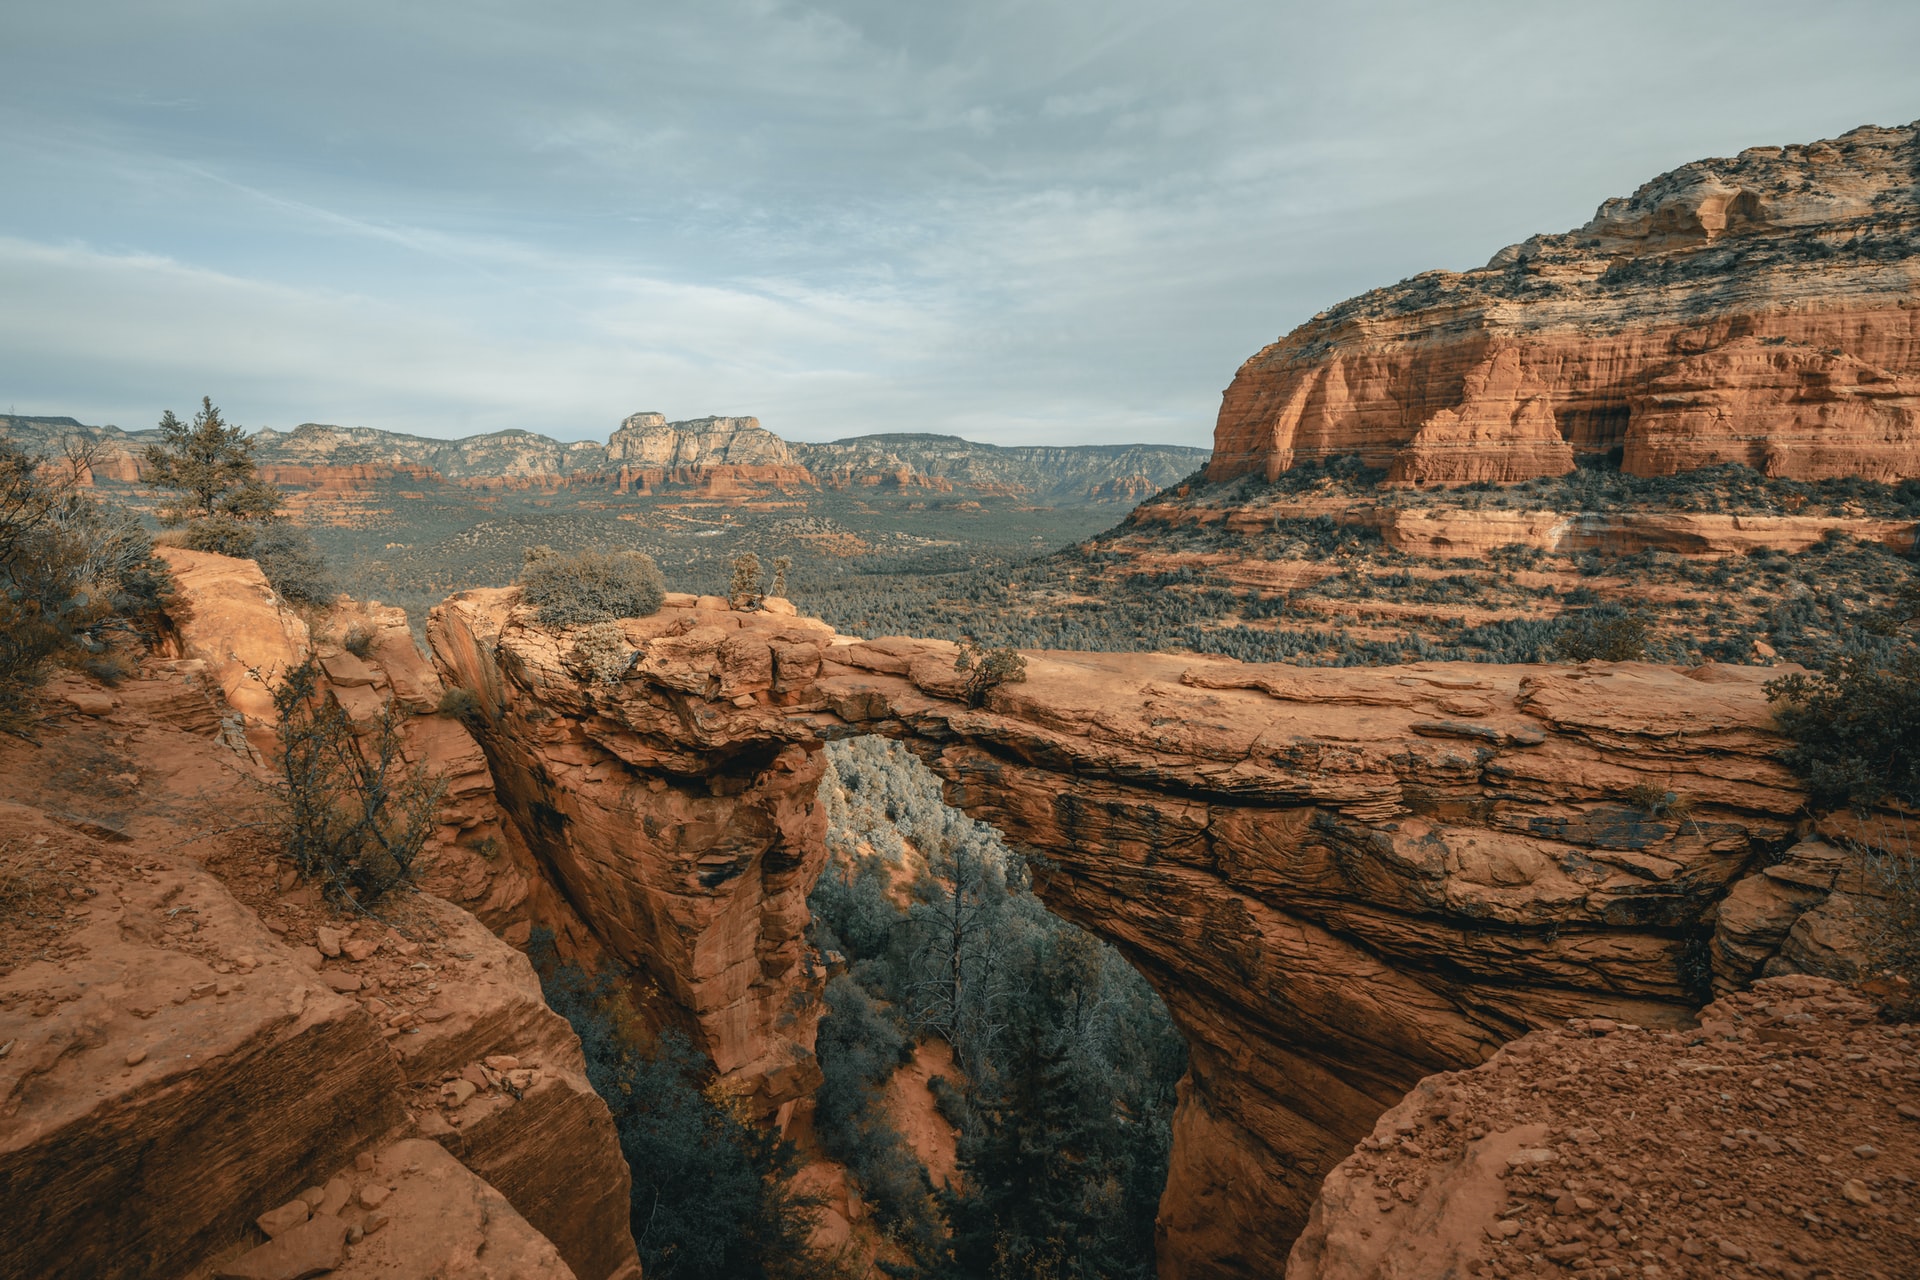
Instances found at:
x=1340 y=880
x=1758 y=310
x=195 y=1040
x=676 y=811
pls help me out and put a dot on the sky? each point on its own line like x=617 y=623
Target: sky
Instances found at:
x=1032 y=222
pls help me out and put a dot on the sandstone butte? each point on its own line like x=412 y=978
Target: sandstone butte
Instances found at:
x=1763 y=309
x=1340 y=880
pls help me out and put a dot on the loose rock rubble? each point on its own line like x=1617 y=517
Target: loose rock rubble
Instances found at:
x=1780 y=1138
x=408 y=1209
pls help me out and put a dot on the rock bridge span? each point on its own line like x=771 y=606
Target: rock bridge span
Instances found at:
x=1339 y=880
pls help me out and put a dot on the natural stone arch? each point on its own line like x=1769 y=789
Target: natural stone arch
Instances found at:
x=1340 y=880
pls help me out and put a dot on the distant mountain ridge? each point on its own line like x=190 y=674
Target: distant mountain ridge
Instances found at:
x=647 y=452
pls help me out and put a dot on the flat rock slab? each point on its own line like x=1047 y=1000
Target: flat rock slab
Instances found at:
x=313 y=1248
x=439 y=1218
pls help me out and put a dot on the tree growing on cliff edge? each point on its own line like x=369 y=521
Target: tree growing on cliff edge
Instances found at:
x=987 y=669
x=220 y=504
x=209 y=467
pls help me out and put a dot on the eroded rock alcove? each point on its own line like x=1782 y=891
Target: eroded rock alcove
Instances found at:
x=1340 y=880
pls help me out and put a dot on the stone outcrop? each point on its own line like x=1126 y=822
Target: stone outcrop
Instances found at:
x=648 y=440
x=1775 y=1139
x=240 y=628
x=179 y=1006
x=1340 y=880
x=680 y=823
x=164 y=1035
x=1758 y=309
x=412 y=1210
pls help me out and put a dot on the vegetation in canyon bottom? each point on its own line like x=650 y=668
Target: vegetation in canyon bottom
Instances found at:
x=1061 y=1100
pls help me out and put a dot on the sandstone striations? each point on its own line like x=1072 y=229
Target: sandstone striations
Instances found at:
x=1339 y=880
x=677 y=817
x=215 y=1037
x=1759 y=309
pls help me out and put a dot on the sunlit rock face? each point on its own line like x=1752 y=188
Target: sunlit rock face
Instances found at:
x=1761 y=309
x=1339 y=880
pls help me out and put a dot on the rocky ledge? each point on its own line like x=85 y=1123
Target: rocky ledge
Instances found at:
x=1340 y=880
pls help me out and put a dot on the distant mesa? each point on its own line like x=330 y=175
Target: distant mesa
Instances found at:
x=648 y=454
x=1762 y=310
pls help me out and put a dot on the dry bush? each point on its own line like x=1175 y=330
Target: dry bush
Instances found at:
x=357 y=811
x=600 y=653
x=591 y=586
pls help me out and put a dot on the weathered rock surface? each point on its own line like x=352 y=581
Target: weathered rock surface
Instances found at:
x=171 y=1070
x=1758 y=309
x=215 y=1038
x=684 y=831
x=438 y=1218
x=1340 y=880
x=241 y=629
x=1776 y=1139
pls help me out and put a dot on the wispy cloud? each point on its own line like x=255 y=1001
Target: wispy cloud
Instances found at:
x=1016 y=221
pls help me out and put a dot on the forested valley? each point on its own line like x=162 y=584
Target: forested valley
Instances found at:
x=1060 y=1099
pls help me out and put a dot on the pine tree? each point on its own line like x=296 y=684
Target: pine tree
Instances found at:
x=210 y=467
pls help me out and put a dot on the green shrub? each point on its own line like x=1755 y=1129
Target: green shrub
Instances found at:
x=356 y=812
x=860 y=1044
x=77 y=577
x=988 y=669
x=711 y=1193
x=293 y=565
x=1607 y=634
x=1855 y=727
x=285 y=553
x=591 y=586
x=460 y=703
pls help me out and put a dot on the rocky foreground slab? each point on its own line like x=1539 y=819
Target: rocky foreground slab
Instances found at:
x=1781 y=1137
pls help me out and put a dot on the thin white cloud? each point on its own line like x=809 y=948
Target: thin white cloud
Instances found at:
x=1064 y=221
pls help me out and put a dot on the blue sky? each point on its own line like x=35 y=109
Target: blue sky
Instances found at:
x=1018 y=222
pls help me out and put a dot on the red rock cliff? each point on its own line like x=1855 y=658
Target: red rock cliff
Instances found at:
x=1340 y=881
x=1760 y=310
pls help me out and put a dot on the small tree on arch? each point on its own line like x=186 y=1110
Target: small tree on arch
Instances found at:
x=987 y=669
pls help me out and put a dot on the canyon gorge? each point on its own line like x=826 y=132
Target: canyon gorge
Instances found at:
x=1385 y=905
